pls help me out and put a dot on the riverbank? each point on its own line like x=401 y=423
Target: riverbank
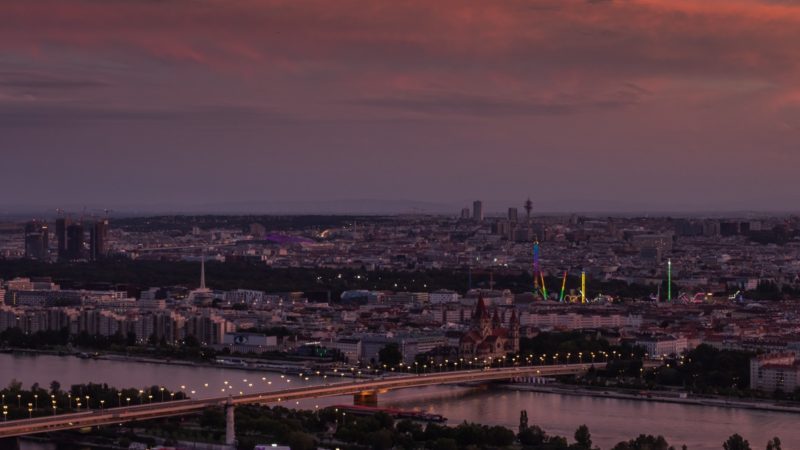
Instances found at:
x=228 y=362
x=655 y=396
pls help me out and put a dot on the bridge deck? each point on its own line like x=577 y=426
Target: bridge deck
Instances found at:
x=182 y=407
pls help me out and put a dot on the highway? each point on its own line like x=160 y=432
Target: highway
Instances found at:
x=110 y=416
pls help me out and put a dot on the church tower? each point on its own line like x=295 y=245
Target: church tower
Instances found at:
x=481 y=320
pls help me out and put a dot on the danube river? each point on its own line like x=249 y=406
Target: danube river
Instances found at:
x=609 y=420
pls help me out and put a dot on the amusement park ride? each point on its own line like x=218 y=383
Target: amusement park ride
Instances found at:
x=581 y=296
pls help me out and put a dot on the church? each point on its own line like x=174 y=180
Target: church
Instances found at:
x=487 y=338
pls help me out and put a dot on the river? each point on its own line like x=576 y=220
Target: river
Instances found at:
x=609 y=420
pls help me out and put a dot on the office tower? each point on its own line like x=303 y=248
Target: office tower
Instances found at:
x=477 y=211
x=98 y=240
x=75 y=241
x=36 y=240
x=465 y=213
x=513 y=215
x=61 y=237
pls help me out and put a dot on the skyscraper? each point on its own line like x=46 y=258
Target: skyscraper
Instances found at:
x=61 y=237
x=75 y=242
x=513 y=215
x=477 y=211
x=98 y=240
x=36 y=240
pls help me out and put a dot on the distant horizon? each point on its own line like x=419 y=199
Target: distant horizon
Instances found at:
x=362 y=207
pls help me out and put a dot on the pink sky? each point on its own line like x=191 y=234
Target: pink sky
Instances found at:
x=626 y=105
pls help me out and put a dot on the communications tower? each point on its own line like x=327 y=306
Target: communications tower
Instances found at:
x=528 y=208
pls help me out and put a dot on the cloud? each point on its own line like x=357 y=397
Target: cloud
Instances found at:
x=47 y=114
x=34 y=81
x=465 y=104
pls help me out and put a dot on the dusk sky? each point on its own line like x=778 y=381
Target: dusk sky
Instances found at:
x=583 y=105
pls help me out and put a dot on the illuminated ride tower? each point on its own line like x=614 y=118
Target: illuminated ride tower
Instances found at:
x=669 y=280
x=537 y=272
x=563 y=286
x=583 y=286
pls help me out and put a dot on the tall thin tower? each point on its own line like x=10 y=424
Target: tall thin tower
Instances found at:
x=669 y=280
x=583 y=286
x=528 y=208
x=536 y=271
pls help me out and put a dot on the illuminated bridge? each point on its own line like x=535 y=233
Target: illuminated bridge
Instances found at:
x=366 y=387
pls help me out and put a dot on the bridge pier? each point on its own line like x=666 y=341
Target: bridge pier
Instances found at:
x=366 y=398
x=230 y=426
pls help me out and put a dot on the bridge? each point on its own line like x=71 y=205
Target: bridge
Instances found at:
x=369 y=387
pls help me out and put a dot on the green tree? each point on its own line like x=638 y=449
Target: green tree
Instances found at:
x=774 y=444
x=390 y=355
x=583 y=439
x=445 y=444
x=523 y=420
x=532 y=435
x=644 y=442
x=499 y=436
x=736 y=442
x=14 y=385
x=301 y=441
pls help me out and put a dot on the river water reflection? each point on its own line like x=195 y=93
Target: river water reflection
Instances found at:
x=610 y=420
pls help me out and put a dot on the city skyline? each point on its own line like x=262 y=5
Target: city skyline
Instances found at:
x=582 y=105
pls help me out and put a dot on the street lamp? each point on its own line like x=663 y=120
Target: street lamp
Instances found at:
x=119 y=399
x=102 y=404
x=129 y=400
x=36 y=400
x=162 y=393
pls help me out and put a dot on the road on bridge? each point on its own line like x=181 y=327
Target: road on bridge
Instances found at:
x=125 y=414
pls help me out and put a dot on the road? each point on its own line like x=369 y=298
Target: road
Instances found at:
x=125 y=414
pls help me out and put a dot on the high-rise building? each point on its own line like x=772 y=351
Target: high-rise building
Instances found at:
x=61 y=237
x=98 y=240
x=75 y=242
x=513 y=215
x=465 y=213
x=477 y=211
x=36 y=240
